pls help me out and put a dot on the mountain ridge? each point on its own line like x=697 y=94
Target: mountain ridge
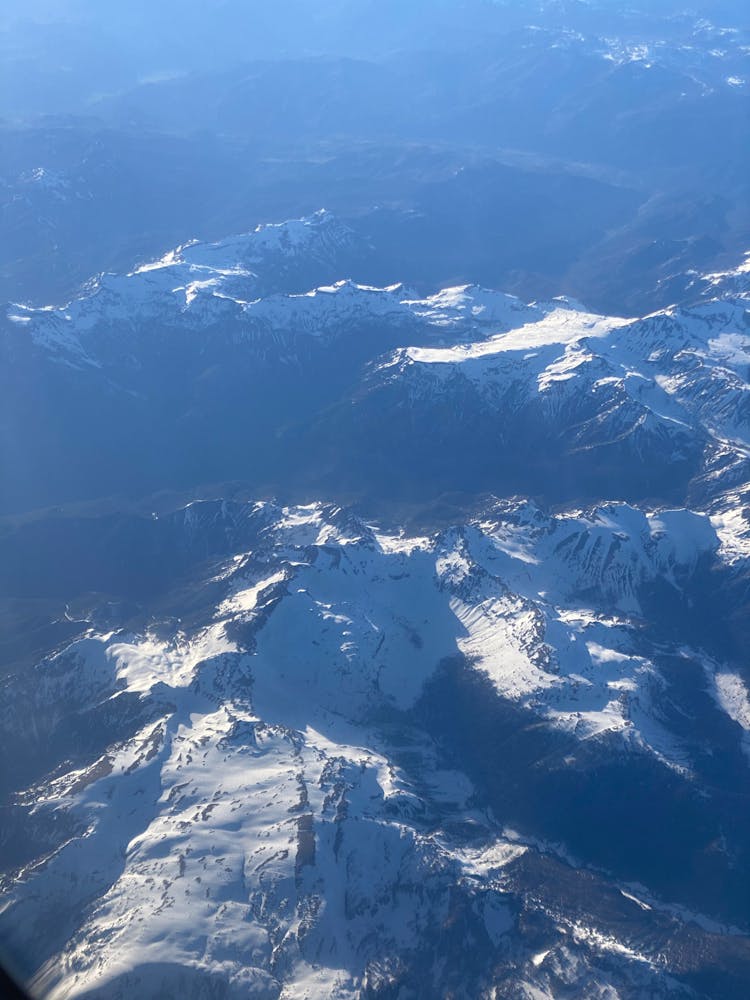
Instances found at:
x=527 y=720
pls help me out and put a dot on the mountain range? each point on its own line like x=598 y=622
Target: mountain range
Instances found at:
x=410 y=661
x=375 y=578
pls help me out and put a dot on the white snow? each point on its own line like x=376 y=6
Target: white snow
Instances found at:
x=732 y=695
x=245 y=598
x=142 y=663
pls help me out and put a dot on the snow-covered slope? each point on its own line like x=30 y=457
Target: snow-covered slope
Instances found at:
x=272 y=820
x=677 y=375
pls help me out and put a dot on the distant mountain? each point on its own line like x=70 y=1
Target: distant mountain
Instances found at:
x=211 y=364
x=550 y=140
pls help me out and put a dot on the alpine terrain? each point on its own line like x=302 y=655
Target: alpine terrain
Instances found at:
x=375 y=581
x=350 y=743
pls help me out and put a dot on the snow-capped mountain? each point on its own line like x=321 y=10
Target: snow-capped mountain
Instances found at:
x=249 y=286
x=658 y=389
x=263 y=806
x=474 y=724
x=375 y=584
x=193 y=285
x=629 y=407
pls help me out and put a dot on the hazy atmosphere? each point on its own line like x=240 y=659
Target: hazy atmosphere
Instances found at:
x=375 y=500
